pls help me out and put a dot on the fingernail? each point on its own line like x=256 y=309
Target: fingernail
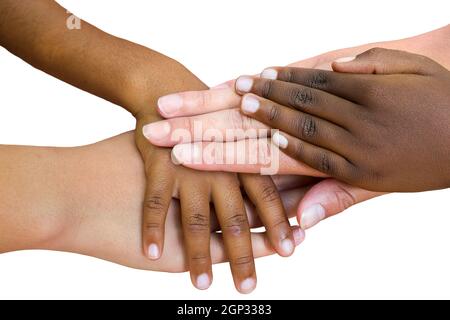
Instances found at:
x=312 y=216
x=248 y=285
x=299 y=236
x=244 y=84
x=203 y=282
x=250 y=104
x=156 y=131
x=186 y=153
x=170 y=104
x=344 y=59
x=153 y=251
x=279 y=140
x=287 y=246
x=269 y=74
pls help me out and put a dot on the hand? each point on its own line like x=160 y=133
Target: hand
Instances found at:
x=196 y=190
x=175 y=259
x=354 y=127
x=218 y=108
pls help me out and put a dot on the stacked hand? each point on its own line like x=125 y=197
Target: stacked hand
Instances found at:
x=197 y=191
x=352 y=127
x=378 y=122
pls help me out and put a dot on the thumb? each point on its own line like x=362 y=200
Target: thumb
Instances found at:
x=386 y=61
x=327 y=198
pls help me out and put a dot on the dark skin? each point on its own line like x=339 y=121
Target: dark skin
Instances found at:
x=380 y=121
x=134 y=77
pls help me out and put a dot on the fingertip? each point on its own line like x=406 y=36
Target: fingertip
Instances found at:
x=312 y=215
x=287 y=247
x=299 y=235
x=269 y=73
x=168 y=106
x=250 y=104
x=247 y=286
x=202 y=281
x=157 y=131
x=244 y=84
x=190 y=153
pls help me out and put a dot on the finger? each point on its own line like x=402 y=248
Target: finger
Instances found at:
x=327 y=198
x=349 y=87
x=225 y=125
x=323 y=160
x=387 y=61
x=198 y=102
x=196 y=228
x=290 y=199
x=260 y=241
x=157 y=199
x=303 y=96
x=264 y=195
x=233 y=221
x=298 y=124
x=244 y=156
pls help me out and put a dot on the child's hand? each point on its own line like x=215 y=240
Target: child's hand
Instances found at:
x=196 y=190
x=386 y=131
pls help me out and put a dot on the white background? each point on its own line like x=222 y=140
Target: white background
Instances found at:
x=395 y=246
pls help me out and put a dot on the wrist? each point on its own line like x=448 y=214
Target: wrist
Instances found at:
x=156 y=77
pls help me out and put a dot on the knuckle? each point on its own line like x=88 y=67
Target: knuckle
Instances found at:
x=309 y=127
x=152 y=226
x=198 y=223
x=344 y=198
x=276 y=224
x=269 y=193
x=242 y=260
x=298 y=150
x=374 y=178
x=236 y=224
x=154 y=204
x=301 y=97
x=273 y=113
x=266 y=89
x=205 y=99
x=305 y=126
x=325 y=165
x=287 y=75
x=200 y=259
x=318 y=80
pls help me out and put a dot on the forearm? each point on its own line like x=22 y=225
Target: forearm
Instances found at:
x=117 y=70
x=434 y=44
x=48 y=195
x=30 y=208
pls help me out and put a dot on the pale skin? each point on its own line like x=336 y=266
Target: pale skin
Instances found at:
x=219 y=108
x=87 y=200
